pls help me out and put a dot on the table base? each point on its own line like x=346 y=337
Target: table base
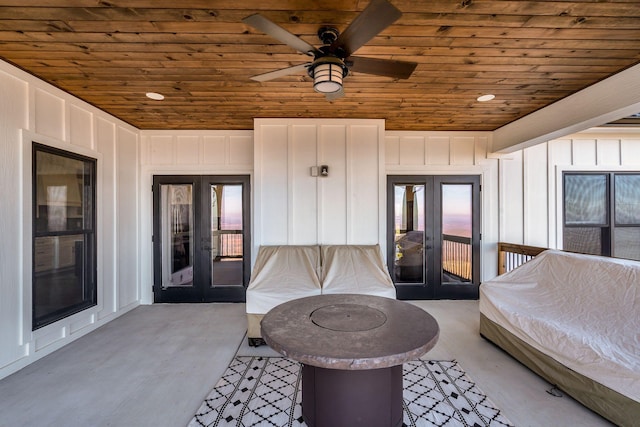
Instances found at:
x=337 y=398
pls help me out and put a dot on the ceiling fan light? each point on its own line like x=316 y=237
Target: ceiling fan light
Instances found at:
x=327 y=77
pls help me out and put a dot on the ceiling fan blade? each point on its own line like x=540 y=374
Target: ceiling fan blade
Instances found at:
x=335 y=95
x=261 y=23
x=281 y=72
x=381 y=67
x=377 y=16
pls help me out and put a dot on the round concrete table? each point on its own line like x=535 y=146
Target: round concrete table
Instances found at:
x=352 y=348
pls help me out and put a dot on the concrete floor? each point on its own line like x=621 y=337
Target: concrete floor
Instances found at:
x=155 y=365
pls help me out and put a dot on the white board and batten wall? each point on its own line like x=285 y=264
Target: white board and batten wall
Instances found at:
x=292 y=207
x=31 y=110
x=531 y=180
x=185 y=153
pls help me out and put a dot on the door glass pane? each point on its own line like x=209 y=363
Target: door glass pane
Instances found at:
x=627 y=243
x=409 y=227
x=226 y=235
x=585 y=199
x=176 y=216
x=457 y=220
x=627 y=199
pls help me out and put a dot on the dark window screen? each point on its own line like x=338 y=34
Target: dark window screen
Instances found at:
x=584 y=240
x=627 y=199
x=585 y=199
x=627 y=243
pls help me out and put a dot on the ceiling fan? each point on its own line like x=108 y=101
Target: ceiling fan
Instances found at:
x=333 y=60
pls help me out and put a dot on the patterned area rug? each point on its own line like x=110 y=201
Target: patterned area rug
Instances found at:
x=266 y=391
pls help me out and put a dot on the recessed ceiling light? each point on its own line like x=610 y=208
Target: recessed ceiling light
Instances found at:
x=155 y=96
x=485 y=98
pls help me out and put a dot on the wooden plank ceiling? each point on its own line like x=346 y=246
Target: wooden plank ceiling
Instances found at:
x=200 y=55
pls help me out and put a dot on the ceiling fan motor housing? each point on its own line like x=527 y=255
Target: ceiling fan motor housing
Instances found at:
x=328 y=35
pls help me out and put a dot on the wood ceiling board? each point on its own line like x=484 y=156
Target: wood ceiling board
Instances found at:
x=530 y=54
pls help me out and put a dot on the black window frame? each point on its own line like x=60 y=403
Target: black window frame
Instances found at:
x=88 y=256
x=607 y=229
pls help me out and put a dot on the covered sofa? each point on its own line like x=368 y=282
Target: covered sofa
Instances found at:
x=287 y=272
x=574 y=320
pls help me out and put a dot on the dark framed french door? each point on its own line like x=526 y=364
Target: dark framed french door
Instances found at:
x=201 y=238
x=433 y=236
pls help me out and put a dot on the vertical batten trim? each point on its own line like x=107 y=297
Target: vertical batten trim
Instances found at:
x=559 y=206
x=550 y=202
x=319 y=186
x=200 y=150
x=174 y=149
x=66 y=121
x=31 y=108
x=291 y=217
x=349 y=184
x=98 y=228
x=425 y=145
x=552 y=195
x=227 y=149
x=139 y=250
x=475 y=151
x=25 y=234
x=525 y=196
x=257 y=189
x=116 y=220
x=382 y=188
x=620 y=152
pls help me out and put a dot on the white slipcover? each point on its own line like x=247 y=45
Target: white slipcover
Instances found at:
x=281 y=274
x=355 y=269
x=581 y=310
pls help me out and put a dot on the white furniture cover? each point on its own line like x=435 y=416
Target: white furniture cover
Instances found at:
x=355 y=269
x=581 y=310
x=283 y=273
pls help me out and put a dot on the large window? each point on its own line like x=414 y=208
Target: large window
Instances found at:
x=602 y=213
x=64 y=241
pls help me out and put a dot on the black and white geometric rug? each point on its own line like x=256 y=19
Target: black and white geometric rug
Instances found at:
x=266 y=391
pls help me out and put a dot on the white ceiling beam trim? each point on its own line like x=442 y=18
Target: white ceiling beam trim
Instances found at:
x=611 y=99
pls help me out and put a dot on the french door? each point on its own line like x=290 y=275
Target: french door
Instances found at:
x=434 y=236
x=201 y=238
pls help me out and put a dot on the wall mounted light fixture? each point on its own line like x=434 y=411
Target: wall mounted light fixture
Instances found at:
x=322 y=171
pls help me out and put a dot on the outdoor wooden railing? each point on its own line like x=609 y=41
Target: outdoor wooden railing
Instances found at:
x=227 y=243
x=512 y=255
x=456 y=256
